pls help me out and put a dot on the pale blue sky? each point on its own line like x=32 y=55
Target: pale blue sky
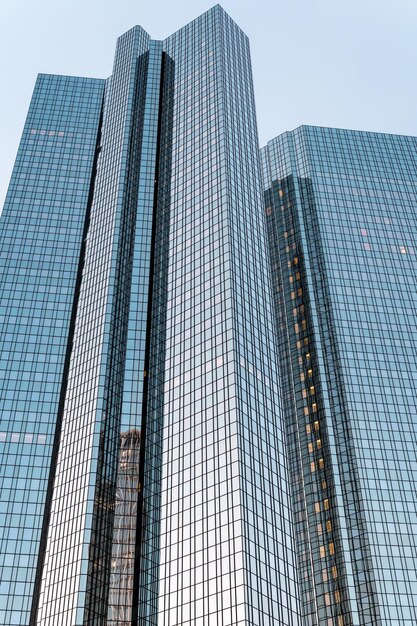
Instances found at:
x=347 y=63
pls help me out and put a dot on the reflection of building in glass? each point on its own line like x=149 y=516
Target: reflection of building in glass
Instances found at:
x=341 y=209
x=151 y=415
x=124 y=532
x=138 y=300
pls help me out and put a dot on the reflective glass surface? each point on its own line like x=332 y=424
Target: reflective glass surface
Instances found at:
x=226 y=554
x=341 y=208
x=41 y=231
x=76 y=575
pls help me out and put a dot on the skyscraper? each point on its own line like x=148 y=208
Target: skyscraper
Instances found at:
x=144 y=469
x=341 y=208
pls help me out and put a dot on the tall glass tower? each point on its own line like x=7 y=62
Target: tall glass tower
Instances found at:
x=144 y=473
x=341 y=208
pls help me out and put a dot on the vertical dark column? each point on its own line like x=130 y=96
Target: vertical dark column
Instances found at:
x=145 y=599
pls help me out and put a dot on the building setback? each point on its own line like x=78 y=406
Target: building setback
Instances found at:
x=138 y=314
x=341 y=209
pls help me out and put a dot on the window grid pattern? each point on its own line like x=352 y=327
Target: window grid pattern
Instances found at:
x=41 y=232
x=125 y=523
x=226 y=554
x=147 y=555
x=77 y=564
x=358 y=208
x=320 y=553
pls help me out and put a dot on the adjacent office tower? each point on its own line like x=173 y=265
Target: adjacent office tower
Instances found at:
x=144 y=471
x=341 y=208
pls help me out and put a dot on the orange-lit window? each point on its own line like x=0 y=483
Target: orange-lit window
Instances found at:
x=334 y=571
x=308 y=427
x=312 y=467
x=319 y=444
x=321 y=463
x=316 y=425
x=317 y=507
x=329 y=526
x=310 y=447
x=326 y=504
x=331 y=548
x=322 y=552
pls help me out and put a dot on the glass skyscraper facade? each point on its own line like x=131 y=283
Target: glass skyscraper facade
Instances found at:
x=145 y=469
x=186 y=436
x=341 y=208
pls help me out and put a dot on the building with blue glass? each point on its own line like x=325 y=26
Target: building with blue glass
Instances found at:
x=341 y=209
x=186 y=436
x=141 y=425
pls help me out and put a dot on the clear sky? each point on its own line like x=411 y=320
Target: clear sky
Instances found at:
x=346 y=63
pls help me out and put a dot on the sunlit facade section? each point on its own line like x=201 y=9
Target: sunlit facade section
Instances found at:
x=341 y=208
x=226 y=545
